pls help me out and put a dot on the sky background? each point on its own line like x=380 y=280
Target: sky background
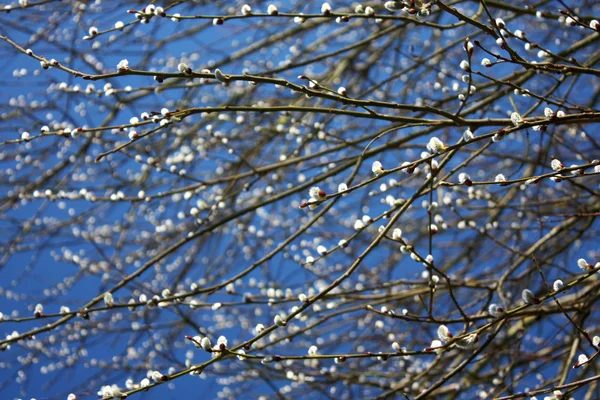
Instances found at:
x=66 y=238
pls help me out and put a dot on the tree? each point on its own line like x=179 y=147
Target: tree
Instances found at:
x=300 y=200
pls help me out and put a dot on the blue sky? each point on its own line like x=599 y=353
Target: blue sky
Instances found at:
x=94 y=227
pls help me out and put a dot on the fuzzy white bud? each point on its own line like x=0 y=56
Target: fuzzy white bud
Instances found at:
x=444 y=333
x=377 y=168
x=528 y=297
x=435 y=145
x=246 y=9
x=108 y=299
x=583 y=264
x=220 y=76
x=556 y=165
x=184 y=68
x=205 y=344
x=558 y=285
x=158 y=377
x=516 y=119
x=495 y=310
x=393 y=5
x=468 y=135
